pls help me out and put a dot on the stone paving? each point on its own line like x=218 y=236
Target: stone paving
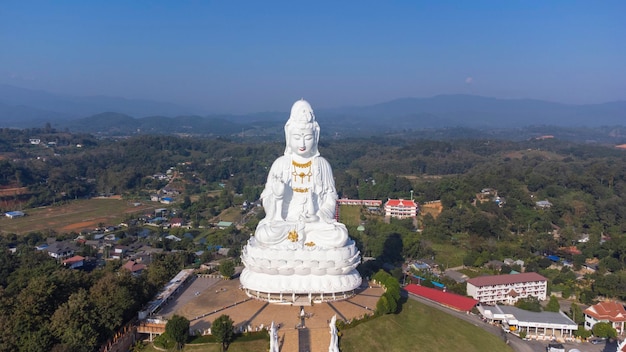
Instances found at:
x=211 y=298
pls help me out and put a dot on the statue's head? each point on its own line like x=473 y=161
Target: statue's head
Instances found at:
x=302 y=131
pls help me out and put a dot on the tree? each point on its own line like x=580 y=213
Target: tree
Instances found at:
x=576 y=314
x=531 y=303
x=222 y=329
x=72 y=323
x=177 y=328
x=227 y=268
x=604 y=330
x=553 y=305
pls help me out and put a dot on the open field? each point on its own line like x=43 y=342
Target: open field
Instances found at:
x=449 y=255
x=350 y=214
x=75 y=216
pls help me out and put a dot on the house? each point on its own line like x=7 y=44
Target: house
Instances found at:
x=119 y=252
x=507 y=289
x=166 y=200
x=74 y=262
x=224 y=224
x=457 y=276
x=494 y=265
x=173 y=238
x=510 y=262
x=95 y=244
x=571 y=250
x=401 y=208
x=543 y=204
x=176 y=222
x=134 y=267
x=61 y=250
x=14 y=214
x=223 y=251
x=608 y=312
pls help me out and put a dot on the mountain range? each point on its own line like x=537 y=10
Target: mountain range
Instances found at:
x=25 y=108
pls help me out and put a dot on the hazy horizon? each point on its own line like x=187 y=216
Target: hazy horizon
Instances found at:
x=241 y=57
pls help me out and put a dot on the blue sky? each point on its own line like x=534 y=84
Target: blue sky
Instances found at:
x=248 y=56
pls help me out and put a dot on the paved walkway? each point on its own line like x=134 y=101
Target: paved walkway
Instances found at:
x=225 y=297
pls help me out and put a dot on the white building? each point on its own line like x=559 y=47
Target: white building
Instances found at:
x=400 y=208
x=607 y=312
x=14 y=214
x=507 y=289
x=548 y=325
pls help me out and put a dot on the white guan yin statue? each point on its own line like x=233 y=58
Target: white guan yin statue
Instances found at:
x=299 y=247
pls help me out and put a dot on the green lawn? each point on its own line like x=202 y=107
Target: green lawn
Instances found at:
x=419 y=328
x=350 y=214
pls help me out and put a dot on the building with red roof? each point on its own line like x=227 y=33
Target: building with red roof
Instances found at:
x=134 y=267
x=507 y=289
x=74 y=262
x=450 y=300
x=400 y=208
x=608 y=312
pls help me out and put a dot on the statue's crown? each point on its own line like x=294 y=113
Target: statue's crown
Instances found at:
x=301 y=113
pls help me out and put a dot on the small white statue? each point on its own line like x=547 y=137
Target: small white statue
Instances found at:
x=334 y=341
x=273 y=338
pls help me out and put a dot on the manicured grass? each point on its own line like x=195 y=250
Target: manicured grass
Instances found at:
x=419 y=328
x=75 y=215
x=350 y=214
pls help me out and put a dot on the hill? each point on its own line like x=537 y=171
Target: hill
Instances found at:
x=23 y=108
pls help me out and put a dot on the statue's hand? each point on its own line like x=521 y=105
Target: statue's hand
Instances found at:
x=311 y=218
x=278 y=187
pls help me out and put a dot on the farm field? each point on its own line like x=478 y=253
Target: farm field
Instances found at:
x=75 y=216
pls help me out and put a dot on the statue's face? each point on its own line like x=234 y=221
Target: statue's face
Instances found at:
x=302 y=142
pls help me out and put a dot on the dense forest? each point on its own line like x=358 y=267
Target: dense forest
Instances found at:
x=585 y=185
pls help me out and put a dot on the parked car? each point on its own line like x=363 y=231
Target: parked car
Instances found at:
x=597 y=340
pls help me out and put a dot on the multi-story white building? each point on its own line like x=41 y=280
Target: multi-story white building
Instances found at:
x=401 y=208
x=608 y=312
x=507 y=289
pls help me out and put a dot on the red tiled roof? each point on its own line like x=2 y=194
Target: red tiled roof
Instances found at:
x=607 y=310
x=571 y=250
x=505 y=279
x=451 y=300
x=400 y=203
x=74 y=259
x=133 y=267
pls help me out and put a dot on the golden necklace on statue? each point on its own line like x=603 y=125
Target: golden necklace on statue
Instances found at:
x=300 y=173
